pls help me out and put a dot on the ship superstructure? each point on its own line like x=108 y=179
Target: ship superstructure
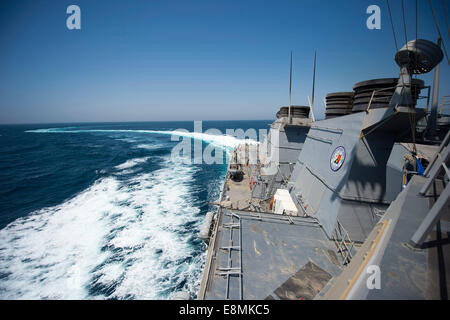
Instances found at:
x=335 y=197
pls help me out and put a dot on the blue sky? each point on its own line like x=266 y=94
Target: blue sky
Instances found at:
x=185 y=60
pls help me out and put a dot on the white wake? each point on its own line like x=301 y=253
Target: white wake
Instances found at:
x=126 y=238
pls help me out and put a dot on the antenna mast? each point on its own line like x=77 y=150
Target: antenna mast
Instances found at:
x=313 y=86
x=290 y=89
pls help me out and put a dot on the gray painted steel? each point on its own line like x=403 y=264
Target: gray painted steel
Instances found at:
x=273 y=249
x=345 y=176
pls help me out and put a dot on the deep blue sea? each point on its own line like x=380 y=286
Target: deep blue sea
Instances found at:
x=102 y=211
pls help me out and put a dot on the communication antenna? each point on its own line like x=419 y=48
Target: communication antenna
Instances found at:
x=417 y=56
x=312 y=112
x=313 y=86
x=314 y=81
x=290 y=89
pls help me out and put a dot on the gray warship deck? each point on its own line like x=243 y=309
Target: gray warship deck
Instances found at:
x=267 y=256
x=406 y=272
x=342 y=181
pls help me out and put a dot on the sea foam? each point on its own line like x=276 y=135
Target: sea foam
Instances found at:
x=220 y=140
x=116 y=239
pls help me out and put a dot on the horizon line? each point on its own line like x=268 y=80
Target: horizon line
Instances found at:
x=129 y=121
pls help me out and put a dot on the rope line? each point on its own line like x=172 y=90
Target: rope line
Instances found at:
x=415 y=64
x=446 y=17
x=392 y=24
x=404 y=23
x=439 y=31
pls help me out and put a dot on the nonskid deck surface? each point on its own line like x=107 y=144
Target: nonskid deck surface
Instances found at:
x=263 y=255
x=269 y=256
x=406 y=272
x=401 y=262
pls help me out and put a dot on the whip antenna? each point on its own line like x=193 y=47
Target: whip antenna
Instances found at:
x=290 y=89
x=314 y=82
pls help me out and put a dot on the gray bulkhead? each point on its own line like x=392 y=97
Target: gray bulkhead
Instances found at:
x=283 y=145
x=358 y=193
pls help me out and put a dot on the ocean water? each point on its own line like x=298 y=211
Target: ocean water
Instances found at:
x=101 y=211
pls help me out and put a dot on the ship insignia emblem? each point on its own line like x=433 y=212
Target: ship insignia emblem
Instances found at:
x=337 y=158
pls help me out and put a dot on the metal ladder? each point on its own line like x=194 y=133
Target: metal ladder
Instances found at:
x=439 y=165
x=230 y=270
x=341 y=238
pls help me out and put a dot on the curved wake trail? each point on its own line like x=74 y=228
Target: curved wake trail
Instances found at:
x=218 y=140
x=132 y=239
x=130 y=235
